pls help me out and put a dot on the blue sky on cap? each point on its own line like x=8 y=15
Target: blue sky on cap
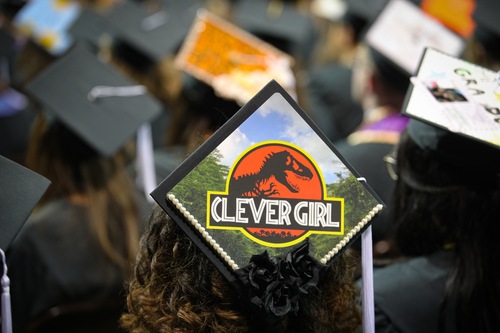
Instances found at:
x=277 y=120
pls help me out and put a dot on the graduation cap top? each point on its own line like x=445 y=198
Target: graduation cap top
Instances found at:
x=154 y=33
x=456 y=109
x=46 y=22
x=402 y=31
x=274 y=190
x=90 y=27
x=91 y=98
x=21 y=191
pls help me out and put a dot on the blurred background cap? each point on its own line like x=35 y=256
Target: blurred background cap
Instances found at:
x=91 y=98
x=21 y=191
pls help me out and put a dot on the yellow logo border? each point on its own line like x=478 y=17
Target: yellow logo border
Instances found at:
x=249 y=235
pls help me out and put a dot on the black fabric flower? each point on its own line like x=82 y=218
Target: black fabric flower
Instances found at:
x=275 y=285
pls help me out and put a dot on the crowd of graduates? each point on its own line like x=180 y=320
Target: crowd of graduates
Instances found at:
x=434 y=245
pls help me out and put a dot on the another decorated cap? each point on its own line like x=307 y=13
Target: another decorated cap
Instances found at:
x=154 y=34
x=47 y=22
x=278 y=23
x=95 y=101
x=269 y=186
x=456 y=16
x=402 y=31
x=456 y=109
x=93 y=28
x=235 y=63
x=21 y=191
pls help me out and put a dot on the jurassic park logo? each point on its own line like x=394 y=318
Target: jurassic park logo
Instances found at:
x=276 y=196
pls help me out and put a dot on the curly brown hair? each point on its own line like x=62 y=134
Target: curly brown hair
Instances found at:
x=175 y=288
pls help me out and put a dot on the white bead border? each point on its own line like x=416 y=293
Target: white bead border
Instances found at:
x=351 y=234
x=203 y=232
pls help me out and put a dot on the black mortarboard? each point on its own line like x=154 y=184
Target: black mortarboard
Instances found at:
x=401 y=32
x=90 y=27
x=46 y=22
x=456 y=109
x=275 y=190
x=75 y=89
x=278 y=23
x=151 y=34
x=21 y=191
x=487 y=30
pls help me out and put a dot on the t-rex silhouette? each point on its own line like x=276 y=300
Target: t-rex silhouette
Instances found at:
x=275 y=164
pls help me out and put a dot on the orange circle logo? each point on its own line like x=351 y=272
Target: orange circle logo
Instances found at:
x=275 y=193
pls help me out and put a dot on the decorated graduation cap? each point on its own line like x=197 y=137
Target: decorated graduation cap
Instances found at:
x=401 y=32
x=456 y=109
x=145 y=36
x=235 y=63
x=46 y=22
x=91 y=98
x=457 y=17
x=487 y=29
x=279 y=23
x=276 y=198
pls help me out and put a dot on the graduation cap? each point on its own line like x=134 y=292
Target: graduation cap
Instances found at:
x=274 y=193
x=145 y=36
x=456 y=16
x=487 y=30
x=232 y=61
x=21 y=191
x=401 y=32
x=456 y=109
x=278 y=23
x=46 y=22
x=92 y=28
x=92 y=99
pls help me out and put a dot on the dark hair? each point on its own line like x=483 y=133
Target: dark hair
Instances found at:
x=77 y=169
x=175 y=288
x=436 y=206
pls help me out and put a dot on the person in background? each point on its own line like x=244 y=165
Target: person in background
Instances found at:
x=445 y=224
x=381 y=88
x=79 y=243
x=328 y=96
